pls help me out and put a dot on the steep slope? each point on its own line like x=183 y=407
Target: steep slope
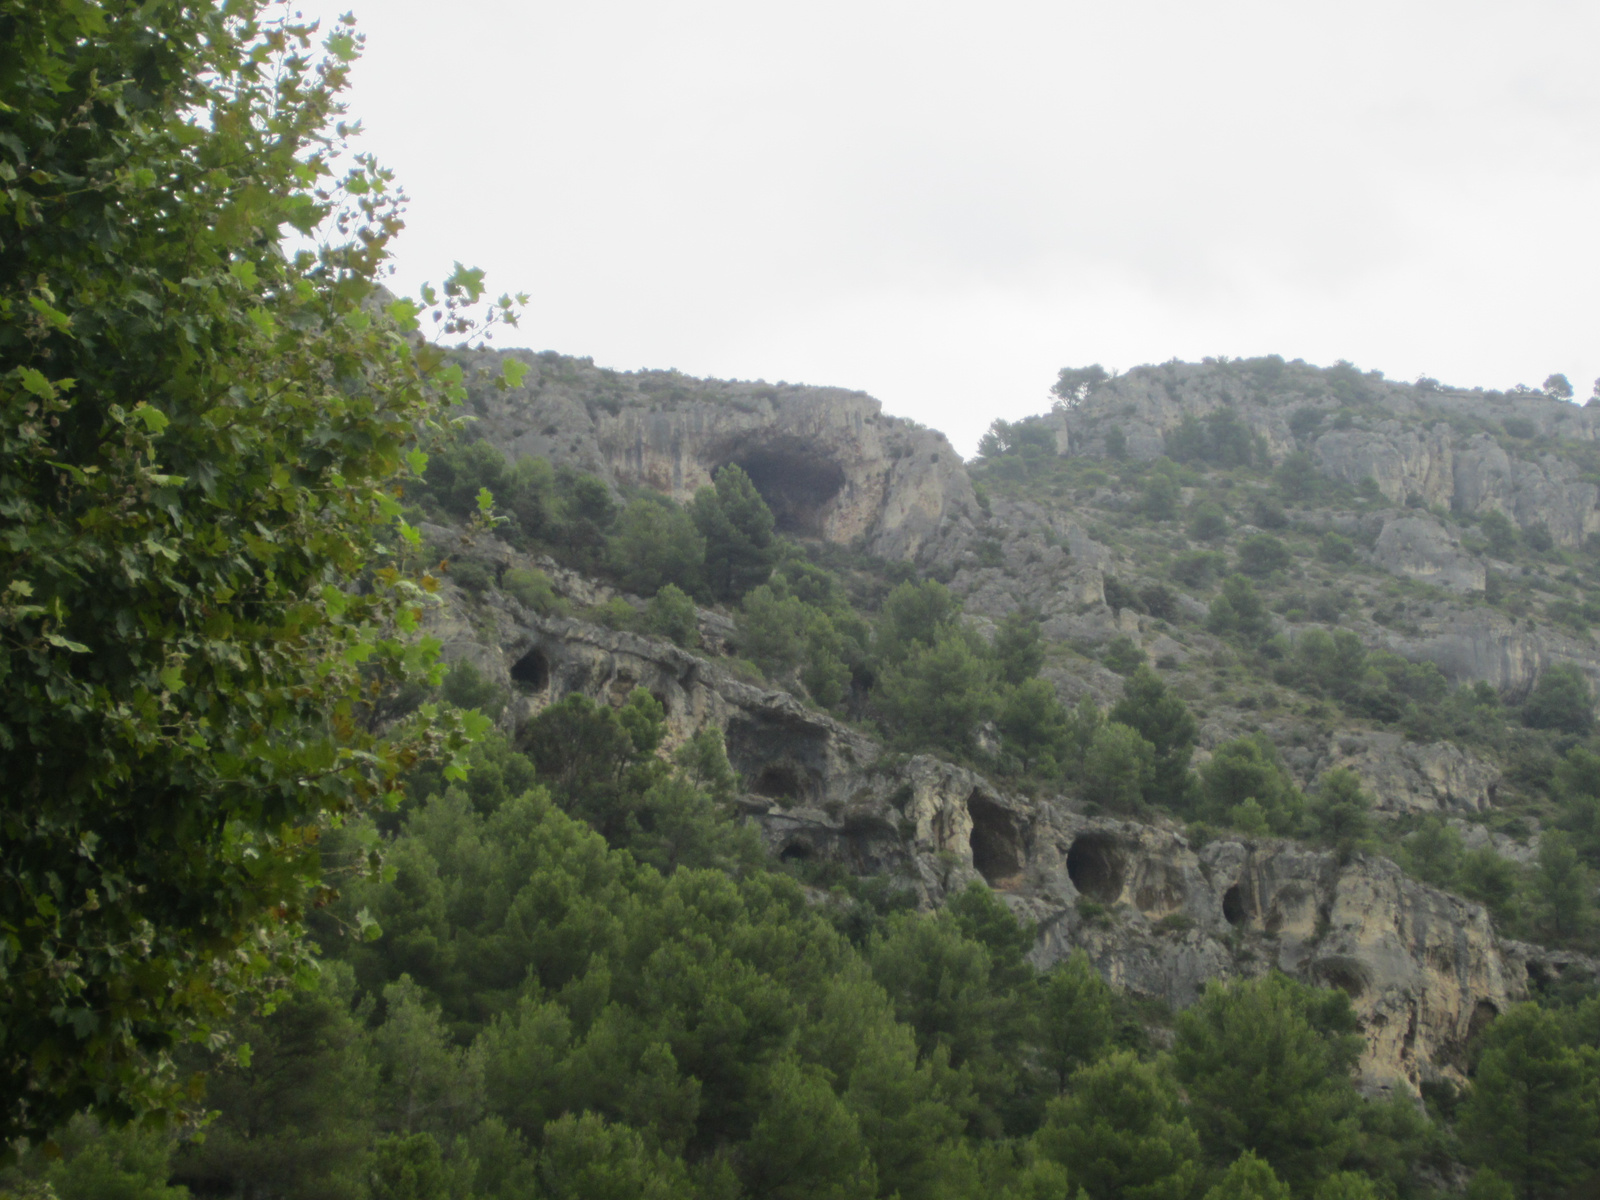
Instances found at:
x=1069 y=518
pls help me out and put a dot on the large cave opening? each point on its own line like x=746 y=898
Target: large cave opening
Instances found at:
x=531 y=672
x=1094 y=864
x=996 y=847
x=795 y=479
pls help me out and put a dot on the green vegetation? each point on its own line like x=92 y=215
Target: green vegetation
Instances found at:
x=254 y=864
x=204 y=578
x=550 y=1010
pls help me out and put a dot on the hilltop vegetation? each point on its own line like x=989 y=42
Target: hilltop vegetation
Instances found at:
x=292 y=907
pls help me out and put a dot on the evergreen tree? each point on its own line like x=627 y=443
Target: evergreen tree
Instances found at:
x=1018 y=647
x=1121 y=1133
x=1164 y=721
x=1249 y=1178
x=737 y=526
x=938 y=695
x=1533 y=1111
x=655 y=544
x=1266 y=1064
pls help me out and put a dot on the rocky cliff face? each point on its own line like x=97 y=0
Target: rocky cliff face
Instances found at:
x=1158 y=915
x=1437 y=447
x=828 y=461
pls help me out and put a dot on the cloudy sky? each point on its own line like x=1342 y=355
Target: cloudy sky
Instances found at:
x=943 y=203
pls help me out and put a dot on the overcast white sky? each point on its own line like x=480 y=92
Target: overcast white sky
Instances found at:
x=943 y=203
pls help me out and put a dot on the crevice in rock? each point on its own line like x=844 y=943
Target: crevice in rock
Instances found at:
x=996 y=848
x=1095 y=866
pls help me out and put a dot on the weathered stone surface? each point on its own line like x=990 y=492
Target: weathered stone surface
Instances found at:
x=1404 y=776
x=1488 y=645
x=1420 y=548
x=1157 y=916
x=828 y=461
x=1422 y=968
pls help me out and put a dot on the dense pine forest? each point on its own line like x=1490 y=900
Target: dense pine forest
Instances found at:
x=355 y=845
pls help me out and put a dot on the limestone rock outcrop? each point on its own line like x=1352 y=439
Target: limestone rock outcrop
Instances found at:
x=1420 y=548
x=828 y=461
x=1156 y=914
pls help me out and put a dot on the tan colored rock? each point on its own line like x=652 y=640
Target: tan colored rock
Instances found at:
x=1418 y=547
x=1404 y=776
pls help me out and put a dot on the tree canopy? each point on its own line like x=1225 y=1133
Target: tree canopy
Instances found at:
x=204 y=575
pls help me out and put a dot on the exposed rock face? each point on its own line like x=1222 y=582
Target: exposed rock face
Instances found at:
x=1487 y=645
x=1441 y=447
x=1404 y=776
x=1156 y=915
x=1420 y=548
x=827 y=461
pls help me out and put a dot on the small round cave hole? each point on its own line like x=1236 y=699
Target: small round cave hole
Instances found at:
x=531 y=672
x=996 y=848
x=1233 y=906
x=1094 y=864
x=795 y=852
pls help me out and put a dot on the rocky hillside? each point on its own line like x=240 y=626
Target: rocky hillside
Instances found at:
x=1337 y=571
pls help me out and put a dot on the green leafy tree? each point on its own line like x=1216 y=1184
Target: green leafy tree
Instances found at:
x=1159 y=496
x=1502 y=534
x=1117 y=768
x=939 y=695
x=1035 y=728
x=655 y=543
x=1164 y=721
x=1341 y=813
x=1018 y=647
x=1249 y=1178
x=1123 y=655
x=1491 y=880
x=1121 y=1133
x=1561 y=700
x=1433 y=853
x=807 y=1143
x=1266 y=1064
x=1075 y=384
x=672 y=615
x=408 y=1167
x=741 y=547
x=426 y=1084
x=1249 y=769
x=1207 y=521
x=203 y=436
x=587 y=1158
x=913 y=614
x=1563 y=889
x=1261 y=554
x=1531 y=1113
x=781 y=633
x=1240 y=613
x=297 y=1117
x=1077 y=1017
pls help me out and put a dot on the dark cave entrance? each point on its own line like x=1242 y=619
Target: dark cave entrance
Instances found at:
x=996 y=848
x=796 y=481
x=779 y=781
x=795 y=852
x=531 y=672
x=1094 y=864
x=1233 y=906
